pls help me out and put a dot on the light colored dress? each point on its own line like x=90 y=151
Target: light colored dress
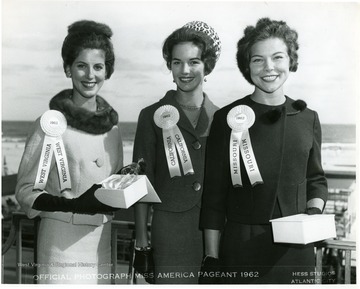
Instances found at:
x=72 y=248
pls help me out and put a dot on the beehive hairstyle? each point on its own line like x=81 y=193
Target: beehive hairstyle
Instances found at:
x=86 y=34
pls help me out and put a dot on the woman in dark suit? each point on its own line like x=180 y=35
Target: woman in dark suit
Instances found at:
x=263 y=161
x=171 y=137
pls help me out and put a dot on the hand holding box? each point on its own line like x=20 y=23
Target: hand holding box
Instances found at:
x=303 y=228
x=119 y=192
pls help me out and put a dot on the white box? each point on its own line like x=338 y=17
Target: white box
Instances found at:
x=303 y=228
x=140 y=190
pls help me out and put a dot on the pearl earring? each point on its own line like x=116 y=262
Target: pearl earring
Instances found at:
x=205 y=80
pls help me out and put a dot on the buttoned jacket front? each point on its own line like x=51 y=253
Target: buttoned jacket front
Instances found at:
x=299 y=173
x=91 y=159
x=178 y=193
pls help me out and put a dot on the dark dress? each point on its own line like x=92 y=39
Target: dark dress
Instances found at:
x=287 y=152
x=176 y=238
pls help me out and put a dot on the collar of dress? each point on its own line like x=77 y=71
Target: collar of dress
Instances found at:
x=206 y=115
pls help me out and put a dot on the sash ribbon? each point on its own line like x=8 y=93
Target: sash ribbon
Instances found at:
x=53 y=124
x=166 y=117
x=240 y=119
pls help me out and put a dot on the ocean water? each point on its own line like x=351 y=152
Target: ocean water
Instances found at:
x=338 y=150
x=331 y=133
x=20 y=129
x=14 y=135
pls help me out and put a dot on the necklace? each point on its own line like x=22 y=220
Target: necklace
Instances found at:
x=190 y=107
x=192 y=113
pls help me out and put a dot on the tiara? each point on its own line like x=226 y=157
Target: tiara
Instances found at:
x=209 y=31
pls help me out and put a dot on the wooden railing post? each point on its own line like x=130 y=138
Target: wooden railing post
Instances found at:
x=319 y=254
x=131 y=271
x=36 y=230
x=114 y=232
x=347 y=266
x=18 y=267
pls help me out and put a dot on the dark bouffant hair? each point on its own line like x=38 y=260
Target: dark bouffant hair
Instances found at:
x=202 y=41
x=86 y=34
x=264 y=29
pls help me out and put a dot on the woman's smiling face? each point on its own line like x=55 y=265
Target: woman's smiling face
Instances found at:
x=88 y=72
x=187 y=67
x=269 y=64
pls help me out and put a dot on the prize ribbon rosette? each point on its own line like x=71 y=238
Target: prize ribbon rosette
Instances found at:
x=166 y=117
x=53 y=123
x=240 y=119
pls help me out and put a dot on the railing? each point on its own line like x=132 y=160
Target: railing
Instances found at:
x=19 y=219
x=115 y=227
x=15 y=237
x=346 y=247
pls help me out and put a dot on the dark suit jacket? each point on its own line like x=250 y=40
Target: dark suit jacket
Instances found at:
x=299 y=173
x=179 y=193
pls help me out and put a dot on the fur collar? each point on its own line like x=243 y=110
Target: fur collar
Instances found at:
x=98 y=122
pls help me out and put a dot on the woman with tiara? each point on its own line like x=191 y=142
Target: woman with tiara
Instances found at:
x=81 y=130
x=171 y=138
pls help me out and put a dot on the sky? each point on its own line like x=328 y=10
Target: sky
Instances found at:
x=33 y=33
